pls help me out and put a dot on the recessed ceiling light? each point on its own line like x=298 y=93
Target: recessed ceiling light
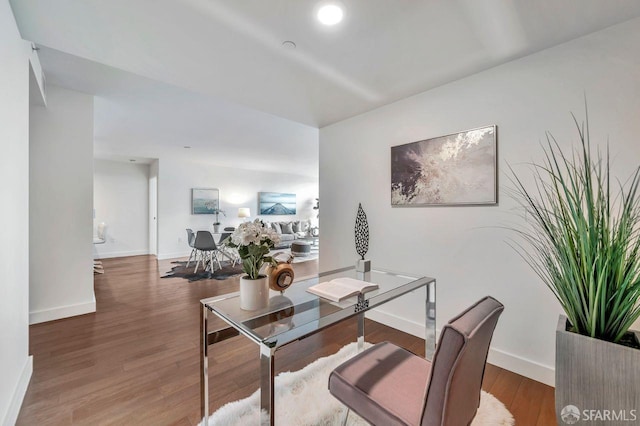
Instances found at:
x=288 y=44
x=330 y=14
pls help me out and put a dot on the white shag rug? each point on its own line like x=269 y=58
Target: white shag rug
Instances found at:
x=302 y=398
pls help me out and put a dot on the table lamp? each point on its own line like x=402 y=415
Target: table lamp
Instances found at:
x=244 y=212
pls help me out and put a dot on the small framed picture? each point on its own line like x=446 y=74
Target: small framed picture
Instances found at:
x=276 y=203
x=204 y=200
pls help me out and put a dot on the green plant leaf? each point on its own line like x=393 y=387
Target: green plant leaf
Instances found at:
x=580 y=238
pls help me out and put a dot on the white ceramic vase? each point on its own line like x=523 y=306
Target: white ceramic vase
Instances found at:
x=254 y=294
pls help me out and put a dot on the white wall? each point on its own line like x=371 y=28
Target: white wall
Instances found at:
x=121 y=201
x=464 y=248
x=153 y=207
x=15 y=364
x=61 y=202
x=238 y=188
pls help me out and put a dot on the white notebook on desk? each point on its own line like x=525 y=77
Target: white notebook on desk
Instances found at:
x=339 y=289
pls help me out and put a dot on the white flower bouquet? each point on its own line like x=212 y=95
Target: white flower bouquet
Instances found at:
x=254 y=241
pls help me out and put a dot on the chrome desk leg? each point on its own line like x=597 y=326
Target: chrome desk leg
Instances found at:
x=360 y=332
x=266 y=381
x=360 y=348
x=204 y=367
x=430 y=326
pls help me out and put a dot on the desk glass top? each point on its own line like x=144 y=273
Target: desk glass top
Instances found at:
x=297 y=313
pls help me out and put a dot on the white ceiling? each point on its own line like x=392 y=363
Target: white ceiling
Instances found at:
x=215 y=55
x=135 y=117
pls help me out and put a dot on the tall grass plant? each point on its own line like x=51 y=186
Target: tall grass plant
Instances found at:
x=581 y=236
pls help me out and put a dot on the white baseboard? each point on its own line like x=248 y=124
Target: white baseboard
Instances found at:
x=112 y=254
x=164 y=256
x=19 y=393
x=525 y=367
x=45 y=315
x=394 y=321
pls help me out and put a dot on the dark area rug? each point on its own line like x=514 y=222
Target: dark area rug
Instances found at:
x=181 y=271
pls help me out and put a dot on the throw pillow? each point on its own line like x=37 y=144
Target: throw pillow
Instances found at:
x=287 y=228
x=276 y=227
x=297 y=227
x=304 y=226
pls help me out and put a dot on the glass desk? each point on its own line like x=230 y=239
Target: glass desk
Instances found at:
x=297 y=314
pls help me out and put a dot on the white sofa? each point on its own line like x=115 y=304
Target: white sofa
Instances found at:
x=290 y=231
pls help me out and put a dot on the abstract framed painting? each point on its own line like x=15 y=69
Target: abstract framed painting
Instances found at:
x=456 y=169
x=276 y=203
x=204 y=200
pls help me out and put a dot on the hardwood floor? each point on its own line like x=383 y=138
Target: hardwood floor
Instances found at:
x=136 y=360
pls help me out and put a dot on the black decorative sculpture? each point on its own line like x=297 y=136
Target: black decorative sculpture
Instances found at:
x=362 y=232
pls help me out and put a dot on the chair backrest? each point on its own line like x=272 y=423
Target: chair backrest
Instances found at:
x=453 y=395
x=224 y=236
x=204 y=241
x=191 y=237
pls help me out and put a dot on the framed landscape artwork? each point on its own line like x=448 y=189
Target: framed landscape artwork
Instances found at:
x=276 y=203
x=204 y=200
x=456 y=169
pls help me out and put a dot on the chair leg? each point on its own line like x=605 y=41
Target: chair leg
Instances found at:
x=234 y=257
x=97 y=267
x=346 y=416
x=208 y=262
x=215 y=255
x=198 y=260
x=194 y=251
x=224 y=252
x=229 y=254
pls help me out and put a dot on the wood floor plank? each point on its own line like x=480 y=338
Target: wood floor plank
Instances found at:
x=505 y=386
x=136 y=360
x=547 y=416
x=521 y=406
x=490 y=375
